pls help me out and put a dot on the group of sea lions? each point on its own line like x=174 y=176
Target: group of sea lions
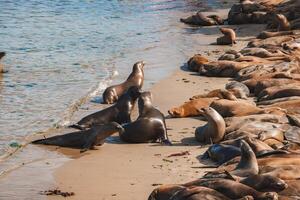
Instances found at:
x=150 y=126
x=253 y=123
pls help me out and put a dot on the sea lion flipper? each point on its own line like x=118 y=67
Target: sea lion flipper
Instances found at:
x=77 y=126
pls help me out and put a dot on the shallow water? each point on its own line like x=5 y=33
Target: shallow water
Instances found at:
x=61 y=53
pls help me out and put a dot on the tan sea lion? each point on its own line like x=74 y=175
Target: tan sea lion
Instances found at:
x=285 y=172
x=119 y=112
x=283 y=23
x=202 y=20
x=222 y=68
x=191 y=108
x=136 y=78
x=214 y=130
x=260 y=52
x=150 y=126
x=83 y=140
x=229 y=37
x=270 y=82
x=292 y=106
x=195 y=62
x=267 y=34
x=218 y=93
x=274 y=41
x=279 y=92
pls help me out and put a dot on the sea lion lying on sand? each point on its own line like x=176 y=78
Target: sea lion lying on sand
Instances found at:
x=150 y=126
x=191 y=108
x=83 y=140
x=273 y=41
x=214 y=130
x=202 y=20
x=136 y=78
x=119 y=112
x=267 y=34
x=218 y=93
x=195 y=62
x=279 y=92
x=229 y=37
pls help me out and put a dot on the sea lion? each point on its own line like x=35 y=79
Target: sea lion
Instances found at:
x=293 y=134
x=221 y=153
x=267 y=34
x=119 y=112
x=293 y=188
x=277 y=100
x=283 y=23
x=260 y=52
x=83 y=140
x=2 y=54
x=270 y=82
x=233 y=189
x=227 y=108
x=136 y=78
x=202 y=20
x=230 y=55
x=285 y=172
x=222 y=68
x=279 y=92
x=214 y=130
x=273 y=41
x=195 y=62
x=219 y=93
x=239 y=89
x=150 y=126
x=229 y=37
x=191 y=108
x=291 y=106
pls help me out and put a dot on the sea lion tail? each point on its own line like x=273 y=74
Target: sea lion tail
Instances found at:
x=77 y=126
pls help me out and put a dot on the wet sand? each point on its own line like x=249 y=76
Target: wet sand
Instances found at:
x=132 y=171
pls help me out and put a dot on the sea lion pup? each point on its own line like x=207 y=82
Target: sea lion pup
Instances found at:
x=267 y=34
x=195 y=62
x=83 y=140
x=2 y=54
x=202 y=20
x=214 y=130
x=233 y=189
x=229 y=37
x=136 y=78
x=283 y=23
x=273 y=41
x=222 y=68
x=221 y=153
x=191 y=108
x=119 y=112
x=150 y=126
x=239 y=89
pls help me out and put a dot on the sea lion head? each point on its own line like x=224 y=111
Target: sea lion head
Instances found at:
x=274 y=183
x=2 y=54
x=165 y=192
x=134 y=92
x=139 y=66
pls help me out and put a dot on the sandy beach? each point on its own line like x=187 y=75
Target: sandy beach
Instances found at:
x=131 y=171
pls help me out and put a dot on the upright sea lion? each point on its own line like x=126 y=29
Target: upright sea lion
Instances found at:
x=283 y=23
x=2 y=54
x=214 y=130
x=195 y=62
x=150 y=126
x=228 y=38
x=83 y=140
x=191 y=108
x=136 y=78
x=119 y=112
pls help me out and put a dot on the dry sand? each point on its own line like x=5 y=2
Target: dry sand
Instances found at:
x=131 y=171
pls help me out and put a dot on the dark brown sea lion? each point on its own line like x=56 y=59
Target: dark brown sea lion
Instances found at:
x=119 y=112
x=283 y=23
x=150 y=126
x=136 y=78
x=233 y=189
x=221 y=153
x=2 y=54
x=195 y=62
x=214 y=130
x=191 y=108
x=83 y=140
x=229 y=37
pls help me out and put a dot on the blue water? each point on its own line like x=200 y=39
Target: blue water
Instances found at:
x=60 y=52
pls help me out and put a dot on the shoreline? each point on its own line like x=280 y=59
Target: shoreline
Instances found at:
x=140 y=168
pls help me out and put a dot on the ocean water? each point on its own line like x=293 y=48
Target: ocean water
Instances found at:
x=62 y=53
